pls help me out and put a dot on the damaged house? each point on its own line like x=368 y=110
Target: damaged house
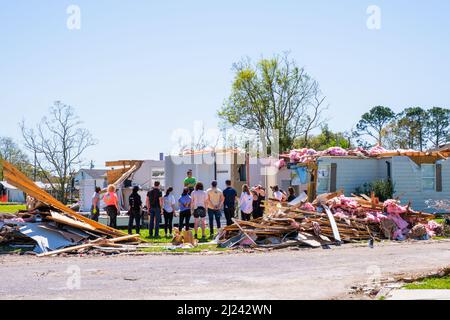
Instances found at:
x=417 y=177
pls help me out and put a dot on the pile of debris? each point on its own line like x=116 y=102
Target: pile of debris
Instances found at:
x=50 y=228
x=306 y=155
x=331 y=219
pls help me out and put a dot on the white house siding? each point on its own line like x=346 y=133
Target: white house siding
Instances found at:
x=176 y=168
x=353 y=173
x=406 y=175
x=143 y=176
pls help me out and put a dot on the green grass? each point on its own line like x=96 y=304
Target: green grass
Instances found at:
x=199 y=248
x=164 y=239
x=11 y=208
x=5 y=249
x=161 y=242
x=430 y=283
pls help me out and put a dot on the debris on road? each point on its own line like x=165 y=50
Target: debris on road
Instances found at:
x=51 y=226
x=331 y=219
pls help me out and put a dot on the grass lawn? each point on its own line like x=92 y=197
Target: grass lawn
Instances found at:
x=430 y=283
x=439 y=220
x=11 y=208
x=199 y=248
x=165 y=239
x=5 y=249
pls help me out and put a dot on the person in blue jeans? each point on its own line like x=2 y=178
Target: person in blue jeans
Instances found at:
x=154 y=204
x=185 y=209
x=215 y=203
x=229 y=204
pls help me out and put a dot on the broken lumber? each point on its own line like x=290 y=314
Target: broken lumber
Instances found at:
x=19 y=180
x=97 y=242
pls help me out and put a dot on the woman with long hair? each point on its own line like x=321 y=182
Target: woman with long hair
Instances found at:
x=198 y=205
x=246 y=203
x=291 y=196
x=168 y=211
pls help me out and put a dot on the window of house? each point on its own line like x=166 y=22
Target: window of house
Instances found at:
x=242 y=173
x=157 y=174
x=323 y=178
x=428 y=177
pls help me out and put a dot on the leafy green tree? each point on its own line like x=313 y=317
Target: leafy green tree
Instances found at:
x=438 y=126
x=325 y=139
x=11 y=152
x=374 y=122
x=412 y=123
x=273 y=94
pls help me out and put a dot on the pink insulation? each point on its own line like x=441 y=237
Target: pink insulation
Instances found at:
x=308 y=207
x=336 y=151
x=280 y=163
x=434 y=228
x=393 y=206
x=376 y=151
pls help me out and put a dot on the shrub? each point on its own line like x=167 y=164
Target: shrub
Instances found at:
x=383 y=189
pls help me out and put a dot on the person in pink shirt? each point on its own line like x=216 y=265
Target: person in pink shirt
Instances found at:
x=112 y=205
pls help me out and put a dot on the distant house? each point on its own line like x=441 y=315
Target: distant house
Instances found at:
x=9 y=193
x=96 y=176
x=417 y=176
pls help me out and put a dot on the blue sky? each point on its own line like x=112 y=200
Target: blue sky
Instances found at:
x=137 y=70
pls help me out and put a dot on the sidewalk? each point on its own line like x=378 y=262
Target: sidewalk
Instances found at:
x=403 y=294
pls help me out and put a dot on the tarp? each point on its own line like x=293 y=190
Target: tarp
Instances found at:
x=46 y=239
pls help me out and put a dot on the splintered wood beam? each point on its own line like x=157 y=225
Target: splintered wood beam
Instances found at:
x=19 y=180
x=123 y=163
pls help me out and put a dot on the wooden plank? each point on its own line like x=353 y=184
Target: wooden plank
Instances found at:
x=70 y=222
x=123 y=163
x=333 y=224
x=19 y=180
x=88 y=245
x=250 y=238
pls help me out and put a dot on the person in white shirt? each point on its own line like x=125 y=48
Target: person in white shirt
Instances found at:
x=199 y=200
x=246 y=203
x=277 y=194
x=168 y=210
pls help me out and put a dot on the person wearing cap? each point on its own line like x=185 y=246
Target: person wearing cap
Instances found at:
x=134 y=212
x=190 y=181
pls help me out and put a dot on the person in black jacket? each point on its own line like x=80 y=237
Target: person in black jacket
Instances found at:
x=135 y=202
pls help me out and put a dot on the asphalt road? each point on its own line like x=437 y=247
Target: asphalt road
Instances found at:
x=287 y=274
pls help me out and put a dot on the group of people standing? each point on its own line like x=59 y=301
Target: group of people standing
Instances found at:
x=194 y=201
x=201 y=204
